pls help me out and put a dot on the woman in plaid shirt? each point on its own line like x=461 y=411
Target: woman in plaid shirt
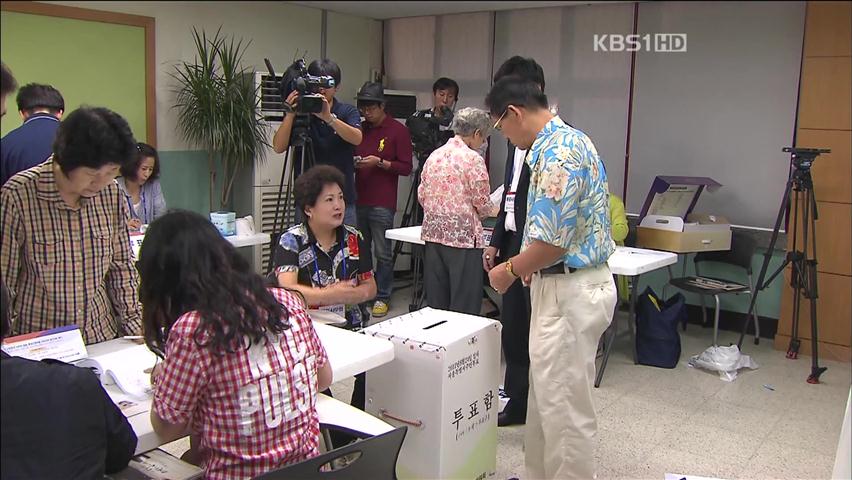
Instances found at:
x=242 y=365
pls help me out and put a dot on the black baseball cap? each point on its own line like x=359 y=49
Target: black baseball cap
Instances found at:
x=371 y=92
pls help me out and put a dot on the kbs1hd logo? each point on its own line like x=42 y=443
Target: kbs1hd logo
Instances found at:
x=656 y=42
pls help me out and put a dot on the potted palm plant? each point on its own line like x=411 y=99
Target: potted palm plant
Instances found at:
x=217 y=103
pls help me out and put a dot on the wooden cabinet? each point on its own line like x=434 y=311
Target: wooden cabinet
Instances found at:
x=825 y=121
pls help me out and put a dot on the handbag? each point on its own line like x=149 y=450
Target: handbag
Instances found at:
x=657 y=337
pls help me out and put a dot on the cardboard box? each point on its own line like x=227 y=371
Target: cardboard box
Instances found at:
x=667 y=222
x=443 y=384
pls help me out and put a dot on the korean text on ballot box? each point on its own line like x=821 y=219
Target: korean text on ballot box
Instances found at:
x=443 y=384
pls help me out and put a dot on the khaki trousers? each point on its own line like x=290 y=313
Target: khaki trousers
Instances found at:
x=570 y=312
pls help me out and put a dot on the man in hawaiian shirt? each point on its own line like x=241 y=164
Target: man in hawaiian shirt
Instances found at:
x=566 y=244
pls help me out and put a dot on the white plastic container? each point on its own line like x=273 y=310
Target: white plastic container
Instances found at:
x=443 y=384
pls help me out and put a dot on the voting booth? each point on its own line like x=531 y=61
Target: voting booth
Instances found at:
x=443 y=384
x=667 y=221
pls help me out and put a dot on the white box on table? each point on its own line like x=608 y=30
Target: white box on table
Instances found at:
x=445 y=374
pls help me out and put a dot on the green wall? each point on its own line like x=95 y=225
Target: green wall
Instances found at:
x=90 y=63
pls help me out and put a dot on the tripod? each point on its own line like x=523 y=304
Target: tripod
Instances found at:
x=413 y=215
x=803 y=277
x=301 y=140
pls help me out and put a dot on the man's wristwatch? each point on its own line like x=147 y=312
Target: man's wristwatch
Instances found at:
x=509 y=268
x=333 y=119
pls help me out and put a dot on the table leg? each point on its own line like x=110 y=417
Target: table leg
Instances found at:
x=631 y=317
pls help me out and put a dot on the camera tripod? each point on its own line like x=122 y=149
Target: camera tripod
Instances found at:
x=301 y=140
x=413 y=215
x=803 y=275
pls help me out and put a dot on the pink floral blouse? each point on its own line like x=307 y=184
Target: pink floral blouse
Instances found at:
x=454 y=193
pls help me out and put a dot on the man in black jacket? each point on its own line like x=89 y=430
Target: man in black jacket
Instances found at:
x=57 y=420
x=505 y=243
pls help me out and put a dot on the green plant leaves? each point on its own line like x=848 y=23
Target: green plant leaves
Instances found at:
x=218 y=106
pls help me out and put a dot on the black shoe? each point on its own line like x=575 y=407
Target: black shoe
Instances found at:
x=504 y=419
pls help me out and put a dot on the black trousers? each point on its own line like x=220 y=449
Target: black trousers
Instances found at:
x=515 y=317
x=452 y=278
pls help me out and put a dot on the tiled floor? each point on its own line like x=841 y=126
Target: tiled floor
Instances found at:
x=767 y=424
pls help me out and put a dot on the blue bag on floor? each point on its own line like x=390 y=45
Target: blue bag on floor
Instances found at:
x=657 y=338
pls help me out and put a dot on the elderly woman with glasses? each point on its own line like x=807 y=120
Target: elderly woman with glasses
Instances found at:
x=454 y=194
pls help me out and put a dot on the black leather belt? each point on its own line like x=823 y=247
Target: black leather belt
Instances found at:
x=558 y=268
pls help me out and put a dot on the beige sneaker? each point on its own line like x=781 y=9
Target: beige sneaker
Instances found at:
x=380 y=309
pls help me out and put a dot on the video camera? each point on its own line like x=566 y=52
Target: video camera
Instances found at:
x=426 y=133
x=297 y=78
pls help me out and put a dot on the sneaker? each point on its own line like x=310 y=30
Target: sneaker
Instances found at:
x=380 y=309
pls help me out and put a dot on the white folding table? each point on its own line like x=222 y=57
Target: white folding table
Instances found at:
x=349 y=353
x=627 y=261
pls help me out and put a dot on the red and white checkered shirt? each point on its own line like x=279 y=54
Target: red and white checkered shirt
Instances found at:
x=254 y=410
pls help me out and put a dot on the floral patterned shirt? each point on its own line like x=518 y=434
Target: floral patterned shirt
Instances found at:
x=454 y=192
x=568 y=199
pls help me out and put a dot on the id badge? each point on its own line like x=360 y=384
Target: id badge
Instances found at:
x=510 y=203
x=335 y=309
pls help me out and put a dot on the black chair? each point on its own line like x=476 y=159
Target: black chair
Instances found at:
x=740 y=255
x=375 y=458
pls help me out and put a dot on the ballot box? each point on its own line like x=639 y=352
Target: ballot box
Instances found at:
x=442 y=384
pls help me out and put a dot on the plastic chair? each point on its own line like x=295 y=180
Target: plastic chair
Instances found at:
x=376 y=459
x=740 y=255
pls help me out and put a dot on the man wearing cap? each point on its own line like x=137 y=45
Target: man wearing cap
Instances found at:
x=41 y=108
x=385 y=153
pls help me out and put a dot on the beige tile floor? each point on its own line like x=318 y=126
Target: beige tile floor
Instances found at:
x=652 y=421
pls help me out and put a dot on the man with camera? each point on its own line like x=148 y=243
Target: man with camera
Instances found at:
x=332 y=132
x=430 y=127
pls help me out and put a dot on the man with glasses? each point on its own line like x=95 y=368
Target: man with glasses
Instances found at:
x=566 y=244
x=385 y=155
x=506 y=243
x=334 y=133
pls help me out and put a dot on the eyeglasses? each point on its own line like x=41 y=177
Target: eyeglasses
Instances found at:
x=497 y=123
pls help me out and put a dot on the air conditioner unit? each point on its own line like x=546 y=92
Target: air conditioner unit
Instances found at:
x=400 y=104
x=266 y=175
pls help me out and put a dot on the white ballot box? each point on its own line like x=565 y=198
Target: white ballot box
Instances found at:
x=442 y=383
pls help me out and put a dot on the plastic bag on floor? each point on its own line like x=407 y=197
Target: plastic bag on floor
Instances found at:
x=725 y=360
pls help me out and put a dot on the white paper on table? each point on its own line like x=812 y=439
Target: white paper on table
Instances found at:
x=61 y=343
x=128 y=405
x=497 y=195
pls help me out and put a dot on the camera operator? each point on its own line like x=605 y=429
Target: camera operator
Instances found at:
x=434 y=122
x=334 y=133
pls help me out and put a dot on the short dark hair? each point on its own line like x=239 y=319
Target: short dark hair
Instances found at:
x=309 y=185
x=445 y=83
x=93 y=137
x=515 y=91
x=5 y=323
x=33 y=96
x=525 y=68
x=326 y=67
x=8 y=84
x=131 y=169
